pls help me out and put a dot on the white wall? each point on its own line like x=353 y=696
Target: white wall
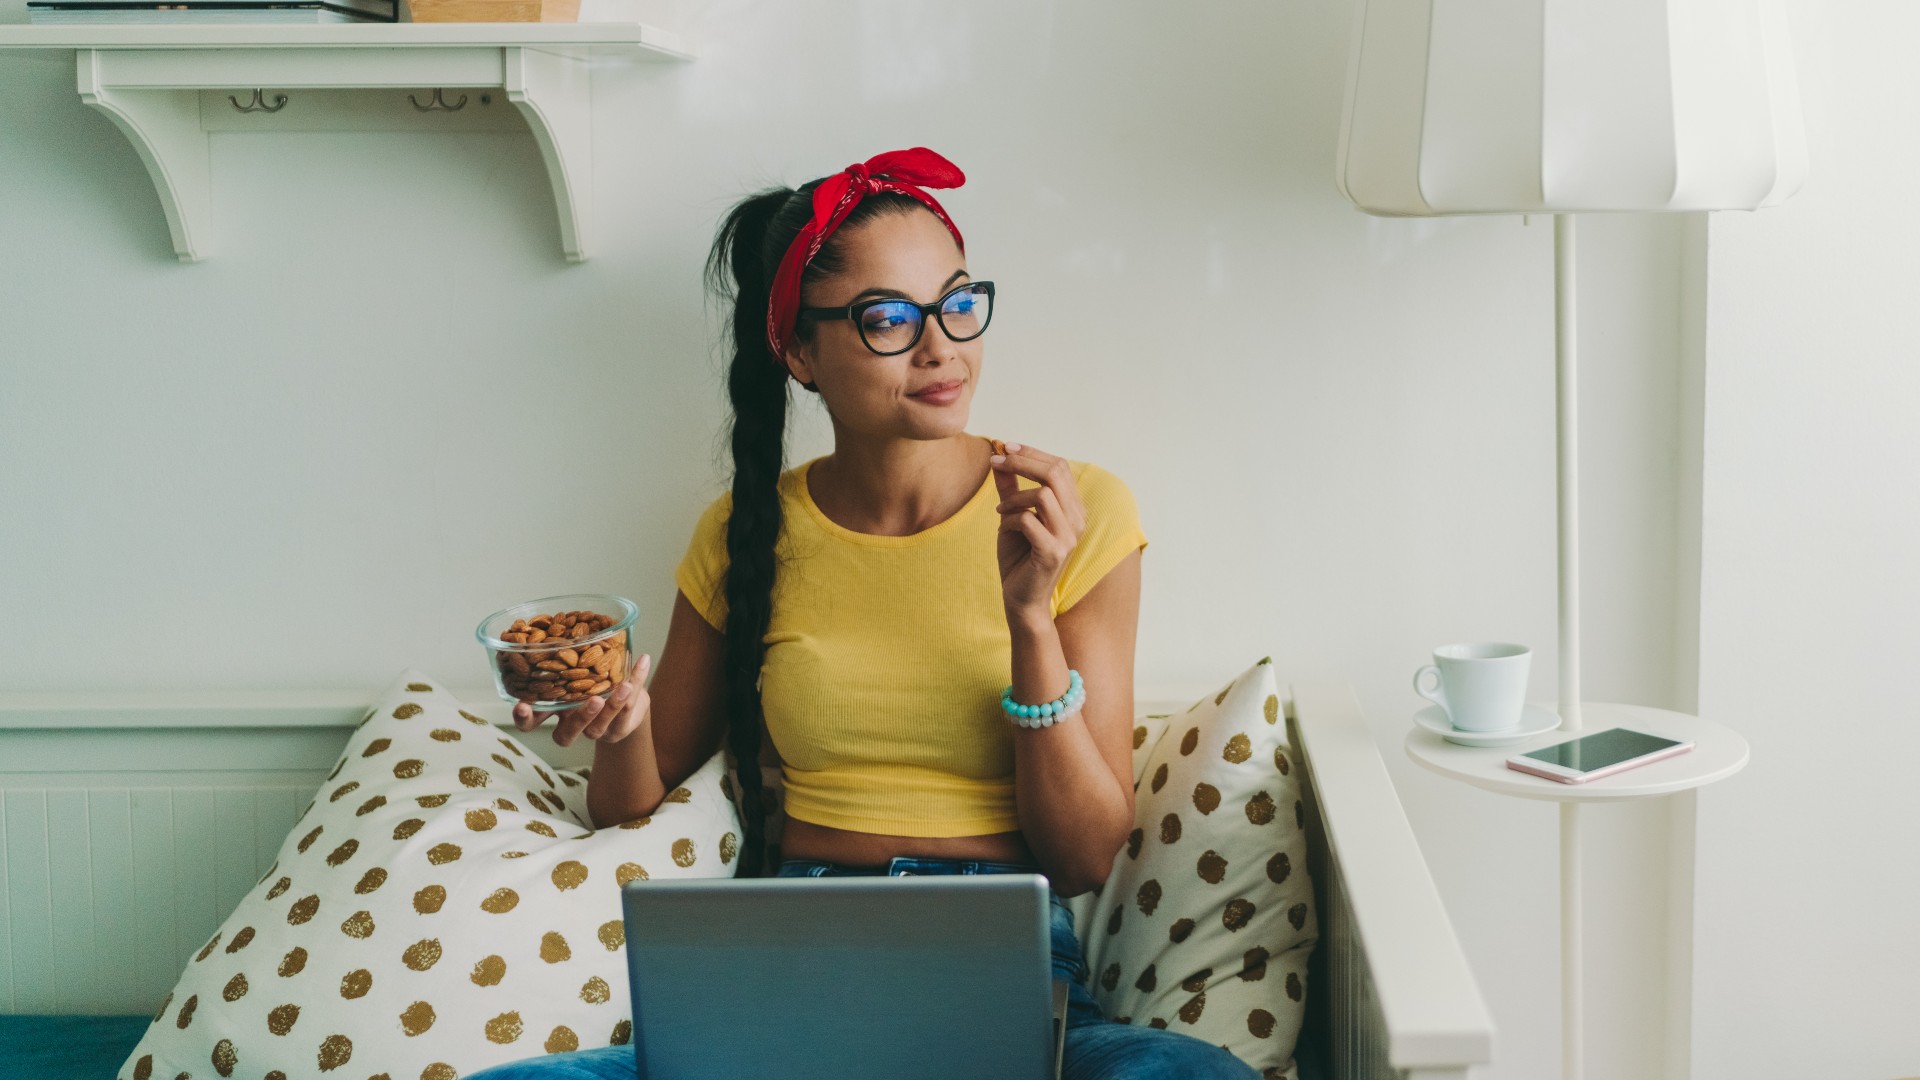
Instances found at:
x=1808 y=948
x=318 y=456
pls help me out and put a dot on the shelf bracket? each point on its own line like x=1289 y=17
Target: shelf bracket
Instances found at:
x=554 y=94
x=164 y=127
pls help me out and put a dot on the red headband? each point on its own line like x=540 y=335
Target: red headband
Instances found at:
x=905 y=171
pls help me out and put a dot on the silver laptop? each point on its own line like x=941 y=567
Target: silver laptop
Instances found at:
x=844 y=977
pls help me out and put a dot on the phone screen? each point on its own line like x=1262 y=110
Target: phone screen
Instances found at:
x=1601 y=749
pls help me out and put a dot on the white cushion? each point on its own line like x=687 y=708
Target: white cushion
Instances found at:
x=442 y=906
x=1206 y=922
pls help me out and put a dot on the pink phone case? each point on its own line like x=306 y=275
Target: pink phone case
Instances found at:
x=1522 y=764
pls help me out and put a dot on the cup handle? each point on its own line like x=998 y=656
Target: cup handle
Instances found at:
x=1436 y=695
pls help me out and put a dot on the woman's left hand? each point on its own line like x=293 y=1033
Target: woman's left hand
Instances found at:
x=1039 y=527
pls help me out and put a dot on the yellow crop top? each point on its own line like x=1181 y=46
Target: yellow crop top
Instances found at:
x=886 y=655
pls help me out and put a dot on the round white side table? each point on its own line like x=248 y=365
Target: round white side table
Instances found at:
x=1718 y=752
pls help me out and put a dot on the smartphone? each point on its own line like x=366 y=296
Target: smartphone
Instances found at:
x=1602 y=753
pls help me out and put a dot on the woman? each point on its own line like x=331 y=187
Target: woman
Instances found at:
x=850 y=603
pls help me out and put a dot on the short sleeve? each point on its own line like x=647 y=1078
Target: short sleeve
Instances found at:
x=702 y=571
x=1112 y=533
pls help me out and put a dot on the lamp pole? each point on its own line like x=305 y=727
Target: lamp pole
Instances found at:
x=1567 y=431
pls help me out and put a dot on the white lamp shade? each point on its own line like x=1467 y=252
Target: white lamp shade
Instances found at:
x=1561 y=106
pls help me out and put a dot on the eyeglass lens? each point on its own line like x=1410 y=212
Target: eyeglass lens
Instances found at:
x=894 y=325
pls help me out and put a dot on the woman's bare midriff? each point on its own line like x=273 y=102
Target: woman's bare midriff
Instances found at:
x=805 y=840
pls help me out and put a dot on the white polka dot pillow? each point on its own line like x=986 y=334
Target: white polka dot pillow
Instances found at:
x=1207 y=920
x=441 y=907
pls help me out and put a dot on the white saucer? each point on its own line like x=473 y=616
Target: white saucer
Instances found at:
x=1533 y=721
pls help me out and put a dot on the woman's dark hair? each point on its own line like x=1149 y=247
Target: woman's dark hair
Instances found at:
x=740 y=268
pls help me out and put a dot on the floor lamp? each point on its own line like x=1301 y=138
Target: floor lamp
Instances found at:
x=1565 y=107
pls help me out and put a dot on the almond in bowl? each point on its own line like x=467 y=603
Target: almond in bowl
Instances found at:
x=558 y=651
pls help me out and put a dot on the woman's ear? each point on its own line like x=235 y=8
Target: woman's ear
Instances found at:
x=799 y=362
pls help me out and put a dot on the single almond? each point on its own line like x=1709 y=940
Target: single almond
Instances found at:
x=600 y=687
x=570 y=656
x=580 y=684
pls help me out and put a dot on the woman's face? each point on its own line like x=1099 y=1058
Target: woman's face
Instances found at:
x=910 y=256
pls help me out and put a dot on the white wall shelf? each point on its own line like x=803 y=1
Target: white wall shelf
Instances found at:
x=164 y=87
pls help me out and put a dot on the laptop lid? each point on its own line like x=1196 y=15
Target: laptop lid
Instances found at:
x=838 y=977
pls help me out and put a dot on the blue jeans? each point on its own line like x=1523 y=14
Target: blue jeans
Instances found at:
x=1095 y=1049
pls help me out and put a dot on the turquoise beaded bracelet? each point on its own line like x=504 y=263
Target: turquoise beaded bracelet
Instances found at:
x=1046 y=713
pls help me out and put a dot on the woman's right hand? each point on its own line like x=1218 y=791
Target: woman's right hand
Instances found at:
x=607 y=719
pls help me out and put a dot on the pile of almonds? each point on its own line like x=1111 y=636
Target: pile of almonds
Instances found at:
x=549 y=667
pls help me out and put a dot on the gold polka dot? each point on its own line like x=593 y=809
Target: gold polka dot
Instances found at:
x=1299 y=815
x=562 y=1040
x=1170 y=829
x=225 y=1057
x=207 y=949
x=422 y=954
x=276 y=1074
x=1222 y=695
x=538 y=803
x=236 y=988
x=162 y=1010
x=1255 y=966
x=1197 y=981
x=729 y=847
x=683 y=853
x=613 y=934
x=596 y=991
x=489 y=971
x=282 y=1018
x=418 y=687
x=240 y=940
x=441 y=854
x=358 y=925
x=428 y=802
x=1293 y=986
x=409 y=769
x=1110 y=978
x=513 y=854
x=375 y=747
x=504 y=761
x=542 y=828
x=343 y=852
x=569 y=875
x=407 y=711
x=500 y=901
x=1139 y=736
x=307 y=840
x=343 y=789
x=507 y=805
x=1279 y=867
x=370 y=881
x=1212 y=867
x=1239 y=912
x=1272 y=708
x=1188 y=741
x=303 y=909
x=504 y=1028
x=481 y=820
x=1134 y=840
x=1159 y=778
x=545 y=777
x=416 y=1018
x=1190 y=1012
x=338 y=765
x=622 y=1033
x=629 y=871
x=440 y=1070
x=293 y=963
x=512 y=746
x=370 y=806
x=143 y=1069
x=337 y=1050
x=677 y=795
x=186 y=1012
x=1260 y=1022
x=429 y=900
x=472 y=719
x=356 y=983
x=473 y=776
x=1260 y=808
x=1206 y=797
x=1178 y=932
x=1239 y=749
x=1297 y=915
x=1148 y=898
x=278 y=888
x=553 y=947
x=444 y=735
x=638 y=823
x=1113 y=921
x=1148 y=979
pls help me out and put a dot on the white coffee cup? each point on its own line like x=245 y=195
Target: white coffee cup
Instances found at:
x=1482 y=685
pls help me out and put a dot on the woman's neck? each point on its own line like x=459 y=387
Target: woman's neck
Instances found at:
x=900 y=487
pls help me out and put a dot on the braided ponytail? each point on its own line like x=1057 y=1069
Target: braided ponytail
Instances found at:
x=740 y=267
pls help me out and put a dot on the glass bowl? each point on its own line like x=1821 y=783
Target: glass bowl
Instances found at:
x=554 y=670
